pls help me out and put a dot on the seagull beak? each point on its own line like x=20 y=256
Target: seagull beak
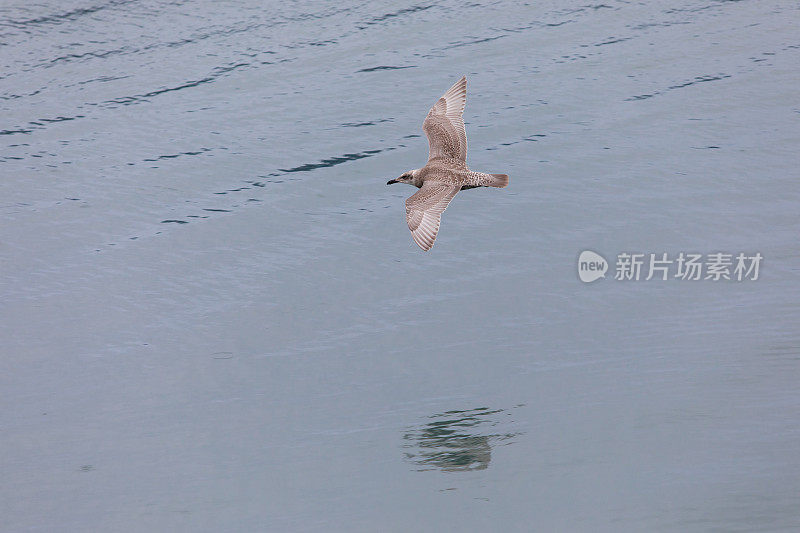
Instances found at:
x=390 y=182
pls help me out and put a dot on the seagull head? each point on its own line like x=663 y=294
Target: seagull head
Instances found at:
x=406 y=177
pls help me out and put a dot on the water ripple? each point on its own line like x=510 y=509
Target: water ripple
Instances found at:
x=361 y=124
x=173 y=156
x=333 y=161
x=68 y=15
x=38 y=124
x=216 y=73
x=694 y=81
x=384 y=67
x=471 y=42
x=453 y=441
x=394 y=14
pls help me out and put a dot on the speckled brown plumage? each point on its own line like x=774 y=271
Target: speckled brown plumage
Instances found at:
x=446 y=172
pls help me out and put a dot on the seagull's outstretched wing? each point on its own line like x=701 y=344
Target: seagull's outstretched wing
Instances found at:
x=444 y=124
x=424 y=211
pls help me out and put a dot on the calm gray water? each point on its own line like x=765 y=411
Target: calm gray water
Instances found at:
x=213 y=317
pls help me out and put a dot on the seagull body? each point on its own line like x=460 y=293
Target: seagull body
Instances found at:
x=446 y=172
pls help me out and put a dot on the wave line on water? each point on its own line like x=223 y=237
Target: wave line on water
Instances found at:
x=333 y=161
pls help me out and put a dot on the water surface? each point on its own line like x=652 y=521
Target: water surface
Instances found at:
x=213 y=316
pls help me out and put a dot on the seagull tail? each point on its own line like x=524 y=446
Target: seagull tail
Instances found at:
x=498 y=180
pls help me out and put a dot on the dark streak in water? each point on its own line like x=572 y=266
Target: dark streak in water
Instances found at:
x=101 y=79
x=75 y=13
x=476 y=41
x=14 y=132
x=360 y=124
x=333 y=161
x=39 y=123
x=388 y=16
x=641 y=97
x=530 y=138
x=700 y=79
x=696 y=80
x=15 y=96
x=412 y=9
x=126 y=100
x=613 y=40
x=216 y=73
x=70 y=57
x=173 y=156
x=658 y=24
x=556 y=24
x=60 y=119
x=384 y=67
x=330 y=162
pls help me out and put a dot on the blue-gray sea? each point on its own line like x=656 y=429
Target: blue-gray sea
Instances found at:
x=213 y=316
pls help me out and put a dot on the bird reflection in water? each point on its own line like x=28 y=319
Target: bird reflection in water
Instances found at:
x=455 y=441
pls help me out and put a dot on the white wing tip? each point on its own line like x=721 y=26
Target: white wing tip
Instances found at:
x=424 y=244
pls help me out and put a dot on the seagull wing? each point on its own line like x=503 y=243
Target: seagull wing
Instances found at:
x=444 y=124
x=424 y=211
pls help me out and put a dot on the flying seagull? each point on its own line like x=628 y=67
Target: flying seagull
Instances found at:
x=446 y=171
